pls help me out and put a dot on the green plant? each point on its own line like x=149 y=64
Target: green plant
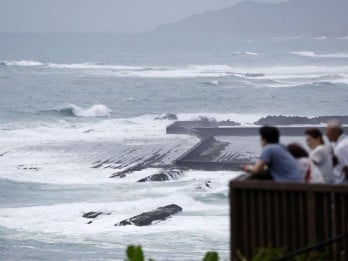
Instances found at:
x=211 y=256
x=268 y=254
x=135 y=253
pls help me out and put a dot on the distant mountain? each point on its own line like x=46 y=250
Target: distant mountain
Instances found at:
x=297 y=17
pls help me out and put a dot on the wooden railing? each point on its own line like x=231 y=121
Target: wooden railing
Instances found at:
x=287 y=216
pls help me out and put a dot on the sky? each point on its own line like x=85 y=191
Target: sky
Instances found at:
x=116 y=16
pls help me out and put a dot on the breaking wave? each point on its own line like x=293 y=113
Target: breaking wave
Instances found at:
x=245 y=53
x=313 y=54
x=264 y=76
x=22 y=63
x=97 y=110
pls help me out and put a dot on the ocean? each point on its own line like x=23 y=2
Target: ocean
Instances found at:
x=69 y=102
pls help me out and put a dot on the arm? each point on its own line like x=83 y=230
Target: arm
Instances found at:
x=257 y=168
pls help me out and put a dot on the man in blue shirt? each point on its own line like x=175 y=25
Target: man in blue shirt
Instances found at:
x=279 y=162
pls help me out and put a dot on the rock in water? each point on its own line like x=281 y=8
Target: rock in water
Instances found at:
x=146 y=218
x=167 y=116
x=94 y=214
x=163 y=176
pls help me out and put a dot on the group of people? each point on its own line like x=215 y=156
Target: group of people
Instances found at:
x=326 y=162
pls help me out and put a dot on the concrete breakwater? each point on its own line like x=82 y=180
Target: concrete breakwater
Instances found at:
x=217 y=147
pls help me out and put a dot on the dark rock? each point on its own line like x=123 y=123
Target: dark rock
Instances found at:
x=207 y=184
x=290 y=120
x=163 y=176
x=89 y=222
x=146 y=218
x=94 y=214
x=3 y=154
x=228 y=123
x=167 y=116
x=207 y=120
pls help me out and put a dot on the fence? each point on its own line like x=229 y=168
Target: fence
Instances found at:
x=288 y=216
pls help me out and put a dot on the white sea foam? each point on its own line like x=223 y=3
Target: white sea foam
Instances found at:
x=313 y=54
x=245 y=53
x=289 y=38
x=97 y=110
x=323 y=37
x=22 y=63
x=214 y=82
x=265 y=76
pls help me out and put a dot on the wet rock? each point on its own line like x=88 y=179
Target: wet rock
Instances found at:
x=204 y=186
x=146 y=218
x=163 y=176
x=3 y=154
x=23 y=167
x=167 y=116
x=228 y=123
x=207 y=184
x=94 y=214
x=290 y=120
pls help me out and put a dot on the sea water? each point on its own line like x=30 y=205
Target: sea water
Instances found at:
x=69 y=102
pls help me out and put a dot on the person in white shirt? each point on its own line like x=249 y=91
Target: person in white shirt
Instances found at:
x=334 y=132
x=321 y=154
x=309 y=171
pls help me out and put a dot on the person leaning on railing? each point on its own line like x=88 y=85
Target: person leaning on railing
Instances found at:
x=275 y=157
x=334 y=132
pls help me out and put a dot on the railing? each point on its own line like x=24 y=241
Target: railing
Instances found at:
x=287 y=216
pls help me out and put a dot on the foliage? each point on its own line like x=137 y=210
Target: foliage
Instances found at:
x=268 y=254
x=135 y=253
x=211 y=256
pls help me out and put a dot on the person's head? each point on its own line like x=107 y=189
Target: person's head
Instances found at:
x=314 y=138
x=297 y=151
x=269 y=135
x=334 y=130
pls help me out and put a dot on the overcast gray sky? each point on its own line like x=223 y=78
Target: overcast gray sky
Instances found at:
x=98 y=15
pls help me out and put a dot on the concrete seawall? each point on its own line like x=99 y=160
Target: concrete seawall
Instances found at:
x=211 y=153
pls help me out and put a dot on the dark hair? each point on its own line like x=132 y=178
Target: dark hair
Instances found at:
x=297 y=151
x=315 y=133
x=269 y=134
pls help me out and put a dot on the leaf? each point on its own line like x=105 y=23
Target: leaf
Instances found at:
x=211 y=256
x=135 y=253
x=240 y=256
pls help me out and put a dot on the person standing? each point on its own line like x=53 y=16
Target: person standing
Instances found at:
x=334 y=132
x=321 y=154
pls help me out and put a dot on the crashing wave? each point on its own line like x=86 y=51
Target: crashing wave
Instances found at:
x=213 y=83
x=97 y=110
x=245 y=53
x=23 y=63
x=313 y=54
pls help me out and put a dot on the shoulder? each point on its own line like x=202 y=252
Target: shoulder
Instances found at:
x=272 y=147
x=342 y=145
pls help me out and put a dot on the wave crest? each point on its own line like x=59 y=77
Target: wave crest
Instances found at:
x=23 y=63
x=96 y=110
x=245 y=53
x=315 y=55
